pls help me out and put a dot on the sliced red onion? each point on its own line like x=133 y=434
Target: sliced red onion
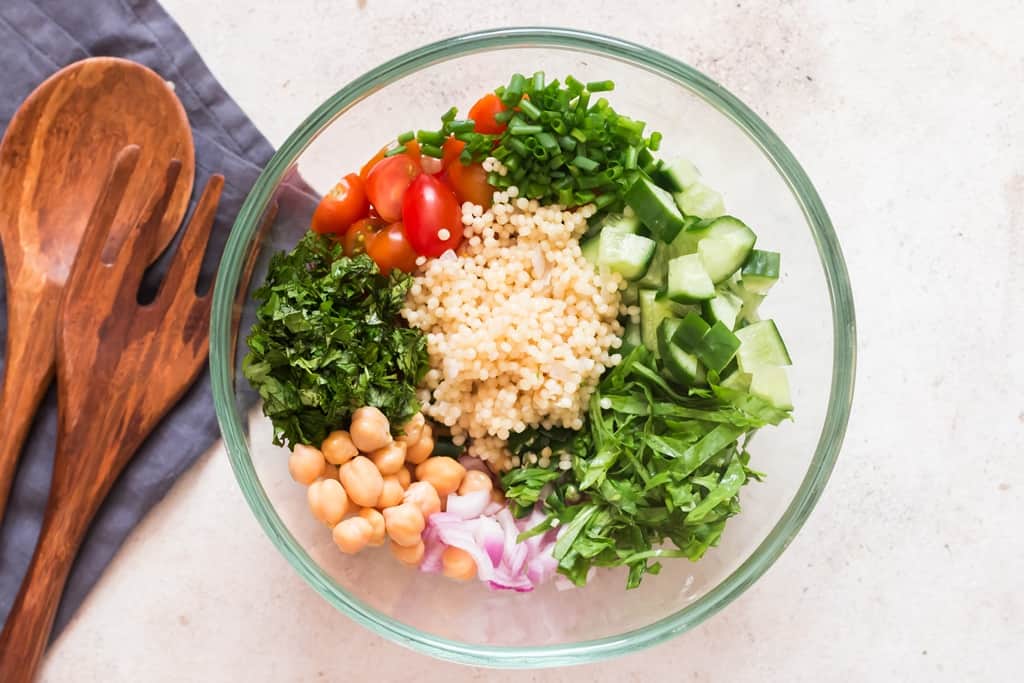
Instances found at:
x=433 y=549
x=491 y=537
x=462 y=537
x=469 y=506
x=542 y=566
x=471 y=463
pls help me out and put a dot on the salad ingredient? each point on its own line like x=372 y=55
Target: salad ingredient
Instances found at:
x=761 y=271
x=483 y=115
x=327 y=501
x=412 y=430
x=370 y=429
x=352 y=535
x=656 y=209
x=423 y=495
x=305 y=464
x=390 y=459
x=390 y=249
x=360 y=234
x=404 y=524
x=338 y=448
x=410 y=555
x=404 y=477
x=469 y=181
x=475 y=480
x=368 y=166
x=424 y=446
x=432 y=217
x=326 y=342
x=387 y=183
x=377 y=527
x=443 y=473
x=362 y=481
x=519 y=327
x=650 y=467
x=457 y=564
x=341 y=207
x=761 y=344
x=391 y=493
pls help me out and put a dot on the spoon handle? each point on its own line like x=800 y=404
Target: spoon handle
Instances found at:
x=28 y=370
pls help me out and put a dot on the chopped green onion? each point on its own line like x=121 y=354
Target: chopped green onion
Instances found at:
x=600 y=86
x=538 y=80
x=565 y=197
x=431 y=150
x=567 y=143
x=574 y=86
x=654 y=142
x=500 y=152
x=524 y=129
x=547 y=140
x=629 y=161
x=559 y=127
x=406 y=137
x=465 y=157
x=529 y=108
x=603 y=200
x=463 y=126
x=395 y=151
x=584 y=197
x=449 y=115
x=504 y=116
x=430 y=137
x=518 y=147
x=584 y=163
x=578 y=134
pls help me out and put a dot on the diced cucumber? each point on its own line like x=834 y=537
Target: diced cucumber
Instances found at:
x=677 y=175
x=750 y=302
x=725 y=246
x=761 y=271
x=689 y=332
x=688 y=238
x=655 y=208
x=687 y=281
x=739 y=381
x=724 y=308
x=717 y=347
x=631 y=338
x=678 y=310
x=589 y=247
x=681 y=366
x=624 y=253
x=771 y=383
x=700 y=200
x=630 y=295
x=761 y=344
x=654 y=278
x=617 y=221
x=652 y=312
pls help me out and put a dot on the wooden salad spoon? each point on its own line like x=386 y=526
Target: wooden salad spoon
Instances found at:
x=54 y=160
x=121 y=366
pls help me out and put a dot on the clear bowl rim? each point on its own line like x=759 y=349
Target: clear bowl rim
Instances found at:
x=830 y=439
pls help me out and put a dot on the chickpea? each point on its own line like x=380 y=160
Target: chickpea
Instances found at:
x=338 y=448
x=412 y=429
x=330 y=472
x=443 y=472
x=421 y=450
x=475 y=480
x=362 y=480
x=423 y=495
x=404 y=523
x=456 y=563
x=370 y=429
x=408 y=554
x=352 y=535
x=390 y=459
x=306 y=464
x=392 y=492
x=498 y=496
x=404 y=477
x=327 y=501
x=376 y=521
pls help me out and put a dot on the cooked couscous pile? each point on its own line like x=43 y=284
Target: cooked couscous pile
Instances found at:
x=519 y=325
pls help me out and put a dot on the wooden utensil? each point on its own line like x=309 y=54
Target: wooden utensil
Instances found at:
x=120 y=367
x=54 y=160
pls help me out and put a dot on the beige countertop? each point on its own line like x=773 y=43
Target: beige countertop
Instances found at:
x=909 y=117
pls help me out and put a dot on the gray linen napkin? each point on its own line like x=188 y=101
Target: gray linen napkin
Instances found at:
x=37 y=38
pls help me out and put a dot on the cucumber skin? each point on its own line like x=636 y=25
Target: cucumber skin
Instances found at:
x=656 y=209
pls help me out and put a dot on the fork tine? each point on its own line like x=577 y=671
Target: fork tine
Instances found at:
x=133 y=254
x=184 y=270
x=101 y=219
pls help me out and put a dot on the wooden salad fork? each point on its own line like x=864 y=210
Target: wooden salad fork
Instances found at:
x=120 y=367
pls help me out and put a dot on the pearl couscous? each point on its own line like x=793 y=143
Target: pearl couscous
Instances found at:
x=519 y=325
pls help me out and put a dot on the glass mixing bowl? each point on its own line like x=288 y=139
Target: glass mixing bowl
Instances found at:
x=761 y=182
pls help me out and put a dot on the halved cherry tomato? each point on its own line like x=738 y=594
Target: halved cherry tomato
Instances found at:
x=387 y=183
x=451 y=149
x=341 y=207
x=368 y=166
x=358 y=237
x=483 y=113
x=432 y=217
x=470 y=183
x=390 y=249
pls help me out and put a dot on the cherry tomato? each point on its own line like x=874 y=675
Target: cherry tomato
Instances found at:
x=451 y=149
x=387 y=183
x=390 y=249
x=341 y=207
x=470 y=183
x=483 y=113
x=432 y=217
x=360 y=235
x=368 y=166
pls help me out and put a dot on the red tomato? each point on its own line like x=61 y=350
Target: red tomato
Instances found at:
x=432 y=217
x=368 y=166
x=390 y=249
x=387 y=183
x=341 y=207
x=483 y=113
x=470 y=183
x=451 y=149
x=360 y=235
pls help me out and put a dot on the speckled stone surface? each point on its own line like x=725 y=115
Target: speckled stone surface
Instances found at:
x=909 y=117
